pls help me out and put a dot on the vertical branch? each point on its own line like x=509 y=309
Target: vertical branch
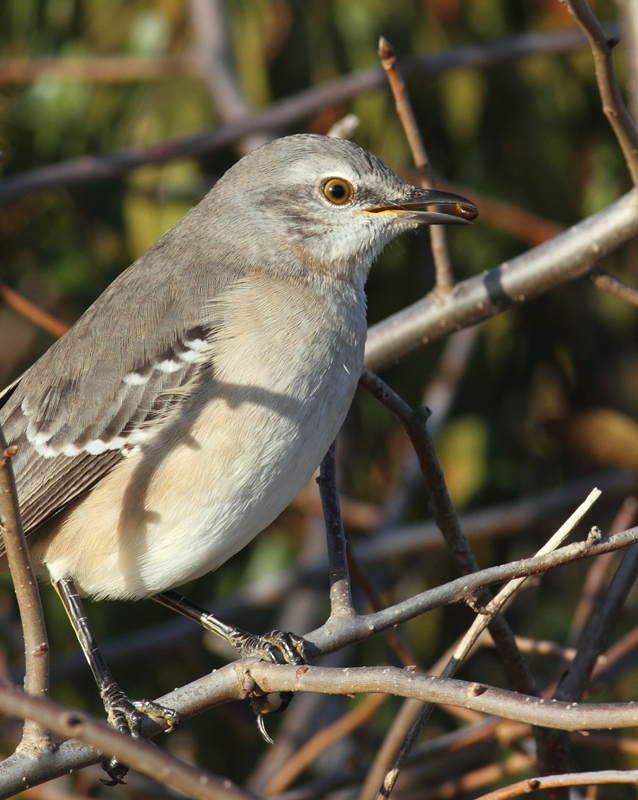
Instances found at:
x=628 y=13
x=442 y=265
x=575 y=679
x=613 y=106
x=36 y=647
x=340 y=594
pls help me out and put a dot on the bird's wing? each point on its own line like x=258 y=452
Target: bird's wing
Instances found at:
x=92 y=396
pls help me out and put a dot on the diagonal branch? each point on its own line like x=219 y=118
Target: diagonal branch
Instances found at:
x=442 y=265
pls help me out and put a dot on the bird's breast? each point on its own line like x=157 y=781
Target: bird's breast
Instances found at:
x=284 y=370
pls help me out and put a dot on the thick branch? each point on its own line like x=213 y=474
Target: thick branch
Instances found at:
x=570 y=255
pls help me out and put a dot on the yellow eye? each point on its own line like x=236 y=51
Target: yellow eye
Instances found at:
x=337 y=191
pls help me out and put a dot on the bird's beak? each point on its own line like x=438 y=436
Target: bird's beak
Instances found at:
x=458 y=210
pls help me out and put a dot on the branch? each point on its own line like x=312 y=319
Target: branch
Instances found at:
x=33 y=312
x=608 y=283
x=497 y=521
x=570 y=255
x=284 y=113
x=481 y=622
x=216 y=65
x=340 y=593
x=442 y=265
x=36 y=647
x=234 y=681
x=572 y=779
x=613 y=105
x=429 y=688
x=160 y=765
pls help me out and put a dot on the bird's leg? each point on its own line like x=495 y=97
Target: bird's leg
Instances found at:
x=123 y=714
x=275 y=646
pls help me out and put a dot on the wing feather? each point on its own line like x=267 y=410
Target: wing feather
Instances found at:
x=128 y=360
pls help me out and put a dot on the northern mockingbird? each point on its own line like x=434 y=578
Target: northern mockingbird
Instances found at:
x=193 y=400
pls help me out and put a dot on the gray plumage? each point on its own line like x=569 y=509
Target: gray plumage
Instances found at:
x=123 y=382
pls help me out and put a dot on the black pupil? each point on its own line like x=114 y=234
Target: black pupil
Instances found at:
x=337 y=191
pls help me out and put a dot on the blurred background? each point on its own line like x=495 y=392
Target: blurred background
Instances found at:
x=531 y=409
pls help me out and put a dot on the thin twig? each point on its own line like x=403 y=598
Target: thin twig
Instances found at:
x=574 y=681
x=613 y=105
x=33 y=312
x=624 y=519
x=442 y=265
x=36 y=647
x=340 y=592
x=323 y=739
x=572 y=779
x=515 y=764
x=628 y=13
x=608 y=283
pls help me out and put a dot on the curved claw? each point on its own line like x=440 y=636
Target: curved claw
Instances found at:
x=125 y=715
x=276 y=646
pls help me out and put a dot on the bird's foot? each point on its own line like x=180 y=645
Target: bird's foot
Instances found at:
x=277 y=647
x=125 y=715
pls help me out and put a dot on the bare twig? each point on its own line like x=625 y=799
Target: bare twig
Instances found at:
x=628 y=14
x=340 y=594
x=613 y=105
x=573 y=779
x=33 y=312
x=624 y=519
x=476 y=779
x=36 y=647
x=608 y=283
x=575 y=679
x=442 y=265
x=284 y=113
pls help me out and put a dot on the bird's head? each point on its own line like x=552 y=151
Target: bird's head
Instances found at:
x=328 y=205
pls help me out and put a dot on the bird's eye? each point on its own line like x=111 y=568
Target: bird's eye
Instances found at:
x=337 y=191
